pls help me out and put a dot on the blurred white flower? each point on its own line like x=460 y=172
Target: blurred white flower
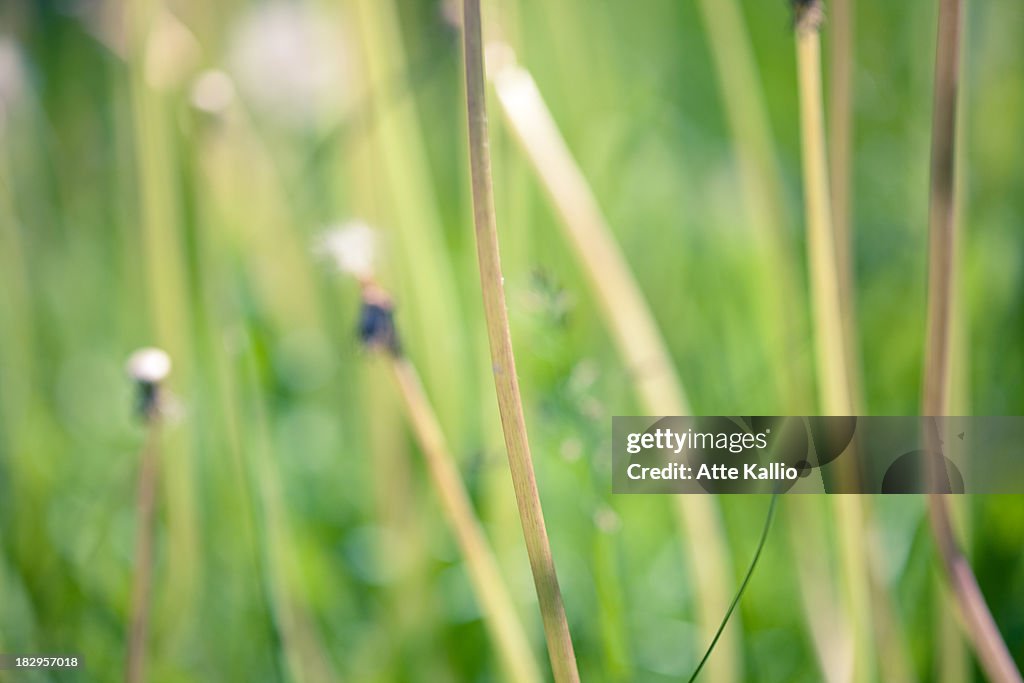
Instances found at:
x=212 y=92
x=350 y=247
x=12 y=74
x=290 y=63
x=149 y=365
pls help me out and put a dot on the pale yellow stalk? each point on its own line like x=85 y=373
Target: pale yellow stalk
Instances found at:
x=833 y=382
x=834 y=392
x=499 y=609
x=840 y=141
x=762 y=196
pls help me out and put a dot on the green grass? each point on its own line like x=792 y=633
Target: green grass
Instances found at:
x=298 y=536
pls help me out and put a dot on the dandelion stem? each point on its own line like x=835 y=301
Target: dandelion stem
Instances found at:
x=556 y=627
x=834 y=389
x=393 y=156
x=839 y=147
x=142 y=581
x=978 y=623
x=833 y=382
x=491 y=590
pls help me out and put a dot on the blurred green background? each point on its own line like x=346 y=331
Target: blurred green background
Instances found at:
x=164 y=170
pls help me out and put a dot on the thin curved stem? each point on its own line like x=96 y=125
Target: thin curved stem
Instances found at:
x=743 y=586
x=549 y=595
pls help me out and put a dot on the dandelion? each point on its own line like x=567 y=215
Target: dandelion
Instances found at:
x=148 y=367
x=350 y=247
x=377 y=321
x=808 y=15
x=290 y=63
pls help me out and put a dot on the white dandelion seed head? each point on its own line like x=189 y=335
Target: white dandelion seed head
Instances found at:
x=350 y=247
x=290 y=63
x=149 y=365
x=212 y=92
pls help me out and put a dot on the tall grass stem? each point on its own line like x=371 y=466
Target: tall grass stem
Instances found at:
x=833 y=381
x=840 y=147
x=978 y=623
x=549 y=595
x=834 y=394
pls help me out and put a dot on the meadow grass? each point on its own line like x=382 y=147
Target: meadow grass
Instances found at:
x=298 y=535
x=626 y=313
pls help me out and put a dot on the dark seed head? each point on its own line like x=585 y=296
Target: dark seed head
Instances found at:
x=808 y=15
x=148 y=367
x=147 y=402
x=377 y=322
